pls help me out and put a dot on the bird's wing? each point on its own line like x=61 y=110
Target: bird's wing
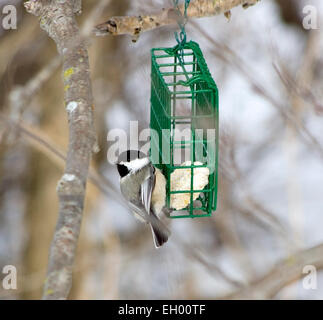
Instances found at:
x=142 y=205
x=139 y=209
x=147 y=188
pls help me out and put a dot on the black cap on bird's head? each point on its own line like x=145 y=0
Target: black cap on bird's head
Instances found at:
x=128 y=156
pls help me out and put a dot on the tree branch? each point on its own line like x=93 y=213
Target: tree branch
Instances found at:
x=134 y=25
x=57 y=18
x=284 y=273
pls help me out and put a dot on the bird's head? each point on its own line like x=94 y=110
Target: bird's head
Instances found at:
x=131 y=161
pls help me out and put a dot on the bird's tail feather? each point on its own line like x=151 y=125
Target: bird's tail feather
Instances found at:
x=159 y=230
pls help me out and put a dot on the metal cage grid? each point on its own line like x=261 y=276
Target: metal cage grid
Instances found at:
x=184 y=94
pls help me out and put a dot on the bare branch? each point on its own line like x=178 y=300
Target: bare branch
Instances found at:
x=21 y=96
x=134 y=25
x=57 y=18
x=284 y=273
x=244 y=69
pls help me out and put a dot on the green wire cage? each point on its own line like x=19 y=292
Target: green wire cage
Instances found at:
x=184 y=97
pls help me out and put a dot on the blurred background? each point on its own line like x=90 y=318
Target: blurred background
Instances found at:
x=269 y=71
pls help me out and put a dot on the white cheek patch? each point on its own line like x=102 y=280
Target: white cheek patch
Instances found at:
x=136 y=164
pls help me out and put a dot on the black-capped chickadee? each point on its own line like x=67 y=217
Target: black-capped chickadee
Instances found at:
x=144 y=188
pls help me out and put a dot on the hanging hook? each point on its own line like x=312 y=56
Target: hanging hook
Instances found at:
x=182 y=20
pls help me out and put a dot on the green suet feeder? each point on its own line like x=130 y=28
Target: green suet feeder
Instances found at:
x=184 y=95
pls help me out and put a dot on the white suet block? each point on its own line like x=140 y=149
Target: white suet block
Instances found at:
x=181 y=180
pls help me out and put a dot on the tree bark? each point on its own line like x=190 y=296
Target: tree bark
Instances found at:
x=57 y=18
x=134 y=25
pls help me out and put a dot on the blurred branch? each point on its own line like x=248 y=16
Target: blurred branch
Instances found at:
x=21 y=96
x=284 y=273
x=224 y=53
x=54 y=153
x=196 y=253
x=43 y=144
x=294 y=88
x=46 y=146
x=233 y=173
x=290 y=12
x=57 y=18
x=134 y=25
x=300 y=87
